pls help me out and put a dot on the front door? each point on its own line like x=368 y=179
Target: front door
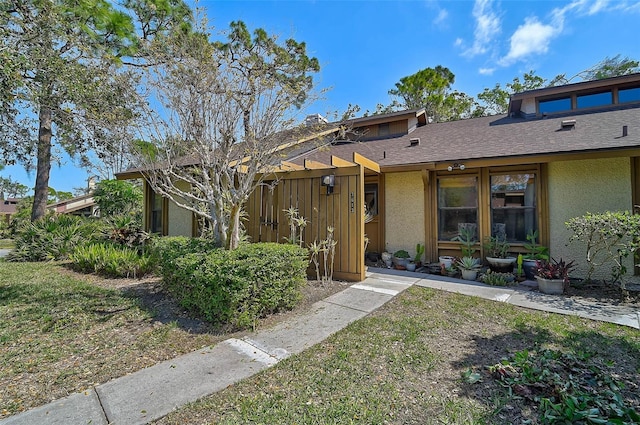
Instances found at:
x=374 y=222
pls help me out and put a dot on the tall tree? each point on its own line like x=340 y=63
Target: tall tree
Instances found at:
x=606 y=68
x=496 y=100
x=61 y=79
x=224 y=107
x=427 y=88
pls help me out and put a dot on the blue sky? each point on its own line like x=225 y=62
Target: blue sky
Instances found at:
x=365 y=47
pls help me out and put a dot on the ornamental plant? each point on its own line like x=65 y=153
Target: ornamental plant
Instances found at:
x=554 y=270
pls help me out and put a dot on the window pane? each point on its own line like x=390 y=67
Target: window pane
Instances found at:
x=592 y=100
x=457 y=205
x=513 y=206
x=371 y=198
x=556 y=105
x=629 y=95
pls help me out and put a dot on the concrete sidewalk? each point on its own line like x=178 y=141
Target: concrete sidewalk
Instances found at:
x=153 y=392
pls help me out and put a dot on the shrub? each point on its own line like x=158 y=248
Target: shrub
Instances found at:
x=238 y=286
x=609 y=238
x=53 y=237
x=167 y=250
x=110 y=260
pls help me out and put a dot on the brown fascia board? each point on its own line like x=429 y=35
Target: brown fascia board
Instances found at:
x=576 y=87
x=390 y=117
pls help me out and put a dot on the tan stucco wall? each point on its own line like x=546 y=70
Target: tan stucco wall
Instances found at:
x=578 y=187
x=180 y=220
x=404 y=211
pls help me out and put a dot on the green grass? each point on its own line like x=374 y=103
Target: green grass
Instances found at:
x=6 y=244
x=404 y=363
x=60 y=334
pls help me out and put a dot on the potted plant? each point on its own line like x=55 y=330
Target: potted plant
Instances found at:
x=401 y=258
x=387 y=258
x=497 y=254
x=411 y=266
x=469 y=267
x=467 y=237
x=534 y=254
x=553 y=276
x=419 y=253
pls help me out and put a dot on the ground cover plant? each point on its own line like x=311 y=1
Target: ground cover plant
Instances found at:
x=424 y=358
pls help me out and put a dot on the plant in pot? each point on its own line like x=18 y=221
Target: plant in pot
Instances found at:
x=497 y=254
x=553 y=276
x=419 y=253
x=467 y=237
x=534 y=254
x=401 y=258
x=469 y=267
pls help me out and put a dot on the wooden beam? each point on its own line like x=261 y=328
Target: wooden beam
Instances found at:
x=289 y=166
x=339 y=162
x=315 y=165
x=365 y=162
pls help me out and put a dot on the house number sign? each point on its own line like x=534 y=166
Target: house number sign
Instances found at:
x=352 y=197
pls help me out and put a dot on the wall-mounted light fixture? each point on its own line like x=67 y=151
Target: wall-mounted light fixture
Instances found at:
x=455 y=166
x=329 y=181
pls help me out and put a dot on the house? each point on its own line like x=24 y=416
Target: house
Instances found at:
x=83 y=205
x=560 y=152
x=8 y=207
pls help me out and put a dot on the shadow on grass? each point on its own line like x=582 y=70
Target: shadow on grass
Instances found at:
x=615 y=352
x=162 y=307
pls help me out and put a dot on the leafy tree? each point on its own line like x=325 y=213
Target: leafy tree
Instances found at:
x=607 y=68
x=61 y=80
x=224 y=105
x=118 y=197
x=12 y=189
x=427 y=88
x=496 y=100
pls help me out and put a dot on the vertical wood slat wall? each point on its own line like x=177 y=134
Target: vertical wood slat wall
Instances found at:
x=343 y=210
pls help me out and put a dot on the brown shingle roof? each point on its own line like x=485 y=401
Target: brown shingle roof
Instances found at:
x=495 y=137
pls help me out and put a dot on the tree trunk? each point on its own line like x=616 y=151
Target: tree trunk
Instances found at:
x=41 y=191
x=233 y=240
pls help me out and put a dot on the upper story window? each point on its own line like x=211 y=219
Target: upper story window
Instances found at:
x=555 y=105
x=593 y=100
x=383 y=129
x=629 y=95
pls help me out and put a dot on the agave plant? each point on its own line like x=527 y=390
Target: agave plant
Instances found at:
x=468 y=263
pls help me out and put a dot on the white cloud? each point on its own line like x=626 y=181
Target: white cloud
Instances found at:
x=487 y=27
x=532 y=37
x=486 y=71
x=442 y=17
x=458 y=42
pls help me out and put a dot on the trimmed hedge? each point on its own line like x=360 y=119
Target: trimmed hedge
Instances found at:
x=235 y=287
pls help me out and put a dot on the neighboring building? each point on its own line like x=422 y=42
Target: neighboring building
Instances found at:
x=559 y=153
x=8 y=207
x=83 y=205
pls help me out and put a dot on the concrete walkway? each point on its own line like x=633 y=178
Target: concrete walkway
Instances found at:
x=153 y=392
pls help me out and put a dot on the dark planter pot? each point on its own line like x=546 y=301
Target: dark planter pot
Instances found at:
x=501 y=265
x=529 y=267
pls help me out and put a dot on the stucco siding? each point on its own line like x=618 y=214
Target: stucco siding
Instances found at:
x=180 y=220
x=404 y=211
x=578 y=187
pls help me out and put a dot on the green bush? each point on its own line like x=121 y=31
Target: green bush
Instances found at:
x=238 y=286
x=166 y=250
x=111 y=260
x=53 y=237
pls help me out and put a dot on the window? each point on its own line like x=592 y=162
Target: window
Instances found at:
x=513 y=206
x=555 y=105
x=371 y=199
x=157 y=207
x=629 y=95
x=593 y=100
x=383 y=129
x=457 y=205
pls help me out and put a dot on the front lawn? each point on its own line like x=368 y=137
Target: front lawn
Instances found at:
x=60 y=334
x=424 y=358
